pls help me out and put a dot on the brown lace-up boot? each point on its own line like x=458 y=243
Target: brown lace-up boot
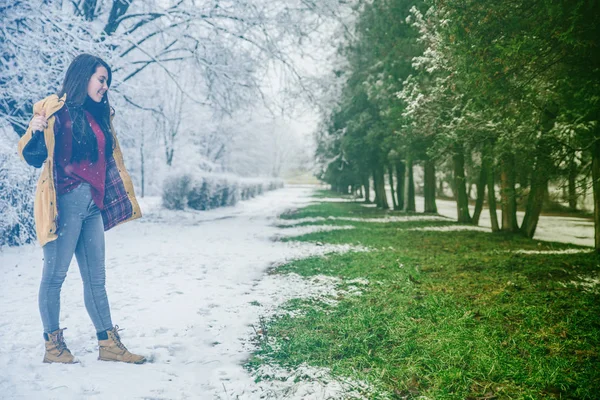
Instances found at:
x=56 y=348
x=113 y=350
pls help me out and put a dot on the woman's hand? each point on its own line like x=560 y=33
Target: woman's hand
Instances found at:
x=39 y=122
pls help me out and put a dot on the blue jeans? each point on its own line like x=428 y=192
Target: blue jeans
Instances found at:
x=80 y=232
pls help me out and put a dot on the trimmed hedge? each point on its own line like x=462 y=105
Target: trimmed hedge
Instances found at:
x=212 y=191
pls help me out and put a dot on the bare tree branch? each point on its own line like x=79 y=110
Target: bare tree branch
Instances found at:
x=119 y=8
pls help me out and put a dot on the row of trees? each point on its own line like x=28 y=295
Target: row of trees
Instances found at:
x=508 y=91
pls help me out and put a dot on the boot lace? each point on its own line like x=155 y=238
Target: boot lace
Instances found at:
x=59 y=340
x=115 y=331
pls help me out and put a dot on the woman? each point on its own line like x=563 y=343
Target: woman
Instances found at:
x=83 y=190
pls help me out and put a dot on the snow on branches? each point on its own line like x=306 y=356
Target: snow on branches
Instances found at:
x=37 y=42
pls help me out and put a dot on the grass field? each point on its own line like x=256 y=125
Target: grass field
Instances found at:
x=444 y=314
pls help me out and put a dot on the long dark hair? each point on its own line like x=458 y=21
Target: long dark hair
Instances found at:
x=85 y=144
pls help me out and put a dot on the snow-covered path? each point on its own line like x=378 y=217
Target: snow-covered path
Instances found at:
x=579 y=231
x=187 y=287
x=550 y=228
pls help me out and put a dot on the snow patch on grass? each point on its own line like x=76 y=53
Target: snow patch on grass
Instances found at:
x=335 y=200
x=320 y=288
x=299 y=250
x=292 y=222
x=588 y=283
x=450 y=228
x=293 y=286
x=404 y=218
x=383 y=220
x=359 y=281
x=563 y=251
x=306 y=382
x=305 y=230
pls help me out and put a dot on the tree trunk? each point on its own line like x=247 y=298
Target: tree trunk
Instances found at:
x=480 y=193
x=596 y=187
x=409 y=186
x=491 y=187
x=538 y=189
x=381 y=188
x=429 y=187
x=142 y=170
x=508 y=194
x=572 y=184
x=400 y=173
x=391 y=178
x=462 y=200
x=453 y=189
x=376 y=189
x=367 y=186
x=535 y=200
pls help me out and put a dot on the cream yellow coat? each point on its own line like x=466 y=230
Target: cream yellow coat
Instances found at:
x=45 y=208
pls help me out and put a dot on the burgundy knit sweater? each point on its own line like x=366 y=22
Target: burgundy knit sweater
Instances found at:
x=70 y=175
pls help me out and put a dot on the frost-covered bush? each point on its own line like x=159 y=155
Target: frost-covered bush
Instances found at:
x=198 y=197
x=275 y=184
x=232 y=194
x=218 y=186
x=208 y=191
x=17 y=192
x=246 y=193
x=176 y=191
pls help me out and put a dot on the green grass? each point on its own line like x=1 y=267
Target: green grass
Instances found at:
x=354 y=210
x=447 y=315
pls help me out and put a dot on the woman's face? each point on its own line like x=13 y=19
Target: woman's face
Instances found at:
x=98 y=84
